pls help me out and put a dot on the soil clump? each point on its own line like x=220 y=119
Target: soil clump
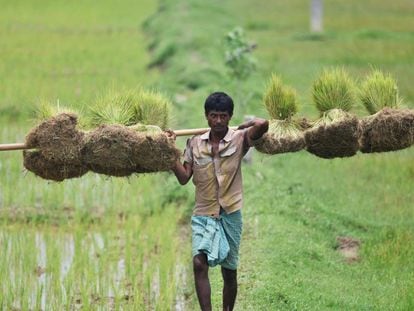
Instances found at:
x=387 y=130
x=336 y=138
x=58 y=145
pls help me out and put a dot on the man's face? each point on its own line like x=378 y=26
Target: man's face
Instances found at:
x=218 y=121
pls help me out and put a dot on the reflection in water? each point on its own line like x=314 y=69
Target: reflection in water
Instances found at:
x=41 y=265
x=68 y=252
x=71 y=270
x=181 y=278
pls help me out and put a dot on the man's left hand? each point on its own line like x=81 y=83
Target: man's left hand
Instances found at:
x=170 y=133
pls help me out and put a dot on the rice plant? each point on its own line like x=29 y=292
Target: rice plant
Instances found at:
x=280 y=100
x=47 y=109
x=332 y=116
x=334 y=89
x=378 y=91
x=151 y=108
x=284 y=128
x=113 y=108
x=143 y=110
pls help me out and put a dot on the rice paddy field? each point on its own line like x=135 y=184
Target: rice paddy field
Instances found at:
x=101 y=243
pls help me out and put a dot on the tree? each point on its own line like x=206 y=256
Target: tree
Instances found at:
x=240 y=62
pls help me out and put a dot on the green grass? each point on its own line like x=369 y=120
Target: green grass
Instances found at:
x=295 y=205
x=290 y=242
x=69 y=51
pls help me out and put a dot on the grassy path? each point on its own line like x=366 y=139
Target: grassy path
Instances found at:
x=298 y=205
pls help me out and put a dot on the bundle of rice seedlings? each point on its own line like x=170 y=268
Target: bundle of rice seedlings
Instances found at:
x=119 y=146
x=58 y=143
x=284 y=135
x=46 y=110
x=388 y=128
x=151 y=108
x=379 y=91
x=334 y=89
x=116 y=150
x=130 y=138
x=113 y=108
x=337 y=132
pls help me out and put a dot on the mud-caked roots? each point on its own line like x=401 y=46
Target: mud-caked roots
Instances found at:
x=59 y=143
x=334 y=140
x=387 y=130
x=35 y=162
x=274 y=144
x=303 y=123
x=64 y=152
x=118 y=151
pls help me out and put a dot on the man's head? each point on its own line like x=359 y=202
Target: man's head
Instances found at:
x=219 y=101
x=218 y=110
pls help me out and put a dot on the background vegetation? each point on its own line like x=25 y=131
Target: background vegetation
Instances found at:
x=296 y=205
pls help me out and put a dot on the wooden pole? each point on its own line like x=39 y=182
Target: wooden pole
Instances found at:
x=185 y=132
x=198 y=131
x=17 y=146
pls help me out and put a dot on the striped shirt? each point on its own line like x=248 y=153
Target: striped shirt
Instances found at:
x=217 y=179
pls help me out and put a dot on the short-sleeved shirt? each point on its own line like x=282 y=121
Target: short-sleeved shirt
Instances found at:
x=217 y=179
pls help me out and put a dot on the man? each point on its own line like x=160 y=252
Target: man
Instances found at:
x=213 y=160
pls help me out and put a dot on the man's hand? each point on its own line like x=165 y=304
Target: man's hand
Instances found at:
x=257 y=127
x=246 y=124
x=170 y=133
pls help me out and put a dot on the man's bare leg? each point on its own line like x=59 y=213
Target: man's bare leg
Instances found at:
x=202 y=283
x=229 y=288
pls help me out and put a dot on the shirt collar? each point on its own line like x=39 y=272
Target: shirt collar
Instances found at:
x=227 y=138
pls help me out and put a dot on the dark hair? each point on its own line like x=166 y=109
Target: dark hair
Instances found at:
x=219 y=101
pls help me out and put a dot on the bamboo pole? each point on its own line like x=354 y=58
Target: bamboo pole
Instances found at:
x=184 y=132
x=198 y=131
x=16 y=146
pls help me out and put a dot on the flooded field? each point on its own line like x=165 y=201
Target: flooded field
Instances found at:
x=134 y=265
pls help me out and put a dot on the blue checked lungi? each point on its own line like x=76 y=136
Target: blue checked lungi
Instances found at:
x=218 y=238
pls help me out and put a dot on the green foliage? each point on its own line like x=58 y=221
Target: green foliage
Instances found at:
x=151 y=108
x=46 y=109
x=378 y=91
x=238 y=55
x=113 y=108
x=334 y=88
x=131 y=107
x=163 y=53
x=281 y=101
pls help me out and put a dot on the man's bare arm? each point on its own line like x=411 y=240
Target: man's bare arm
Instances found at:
x=257 y=127
x=183 y=172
